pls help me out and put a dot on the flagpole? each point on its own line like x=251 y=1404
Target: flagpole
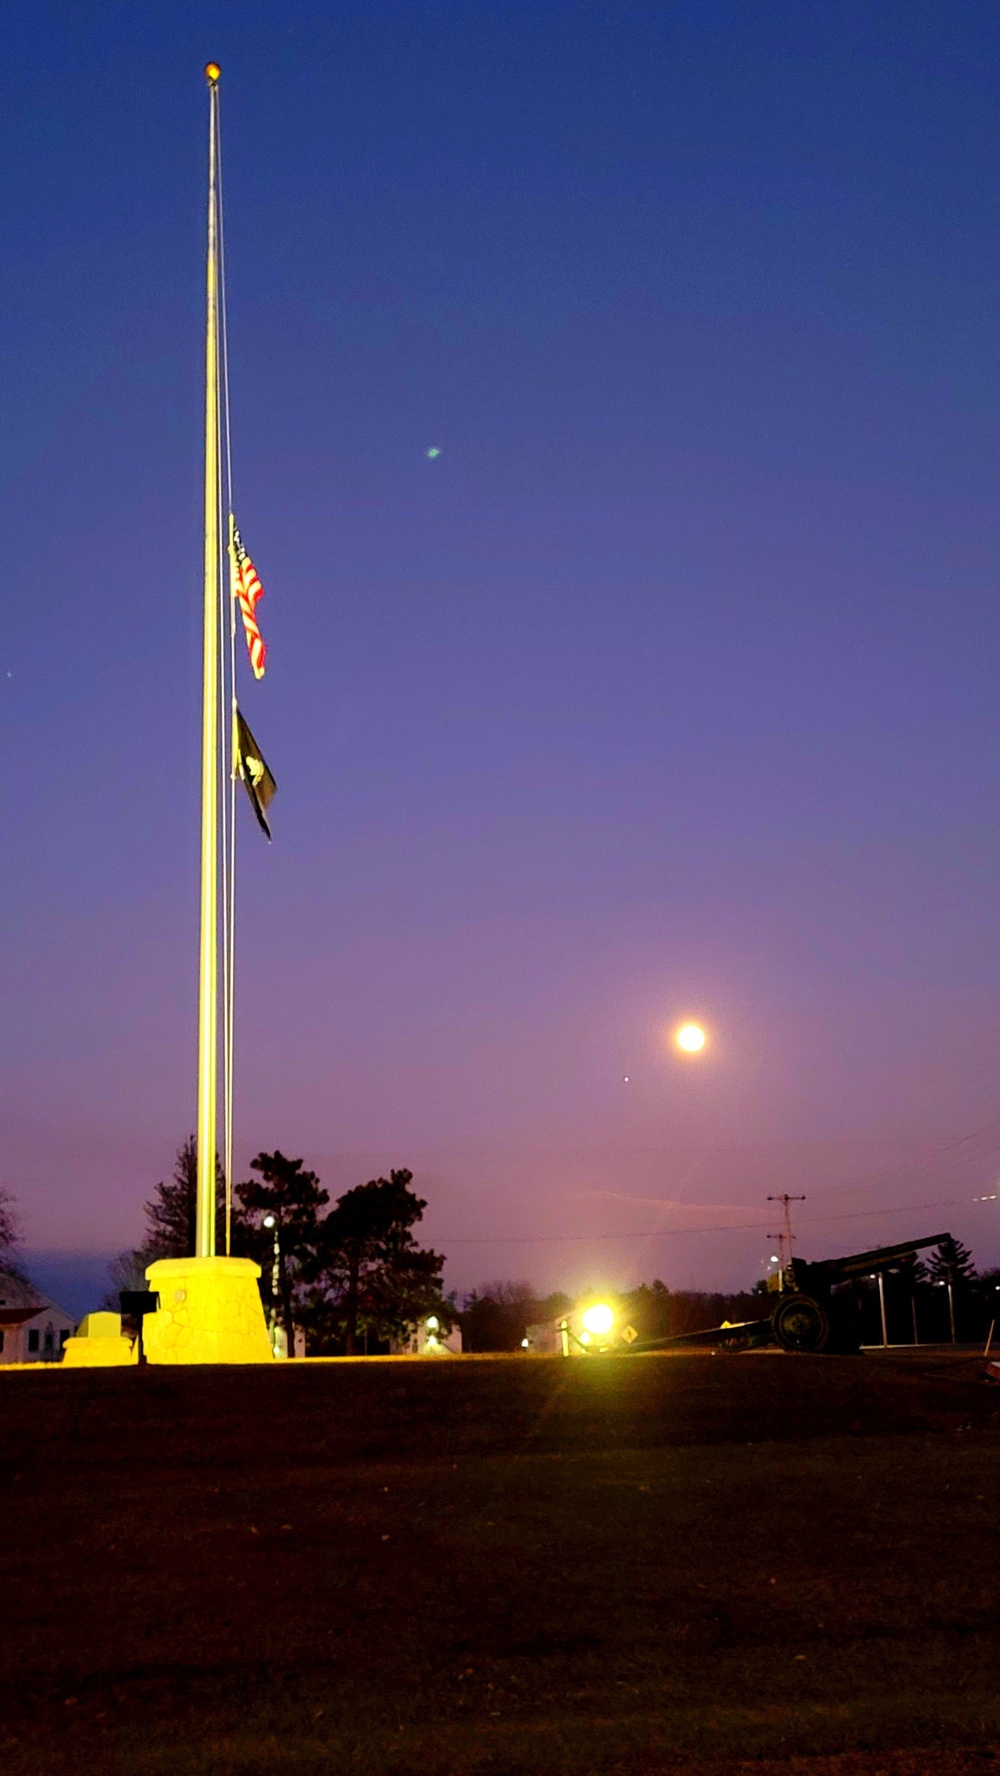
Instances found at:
x=206 y=1308
x=209 y=1306
x=208 y=981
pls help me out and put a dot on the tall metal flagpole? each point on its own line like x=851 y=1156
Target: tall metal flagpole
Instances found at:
x=207 y=1307
x=208 y=983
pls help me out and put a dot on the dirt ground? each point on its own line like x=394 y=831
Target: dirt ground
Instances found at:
x=732 y=1564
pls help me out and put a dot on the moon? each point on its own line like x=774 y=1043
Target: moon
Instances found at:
x=691 y=1038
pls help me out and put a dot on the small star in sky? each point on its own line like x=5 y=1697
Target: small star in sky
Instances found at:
x=433 y=452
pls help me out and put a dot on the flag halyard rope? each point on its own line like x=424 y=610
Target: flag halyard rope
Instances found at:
x=227 y=708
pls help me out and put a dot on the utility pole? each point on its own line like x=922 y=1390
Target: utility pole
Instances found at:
x=786 y=1237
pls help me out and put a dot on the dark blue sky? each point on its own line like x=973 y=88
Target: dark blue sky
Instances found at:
x=669 y=687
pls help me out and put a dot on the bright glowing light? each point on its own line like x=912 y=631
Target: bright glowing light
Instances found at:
x=432 y=1323
x=599 y=1319
x=268 y=1220
x=434 y=451
x=584 y=1337
x=691 y=1038
x=524 y=1344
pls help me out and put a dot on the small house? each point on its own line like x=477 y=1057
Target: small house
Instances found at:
x=429 y=1338
x=33 y=1329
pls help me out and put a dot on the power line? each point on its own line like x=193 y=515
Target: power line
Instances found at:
x=525 y=1239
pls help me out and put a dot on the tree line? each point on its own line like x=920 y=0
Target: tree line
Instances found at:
x=352 y=1276
x=497 y=1317
x=929 y=1300
x=355 y=1277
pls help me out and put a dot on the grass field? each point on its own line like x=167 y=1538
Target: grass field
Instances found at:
x=517 y=1565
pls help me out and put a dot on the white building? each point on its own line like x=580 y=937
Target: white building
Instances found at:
x=590 y=1327
x=32 y=1328
x=428 y=1338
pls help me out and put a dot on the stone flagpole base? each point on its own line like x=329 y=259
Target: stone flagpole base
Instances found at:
x=98 y=1344
x=210 y=1312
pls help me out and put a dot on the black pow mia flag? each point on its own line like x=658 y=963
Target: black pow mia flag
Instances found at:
x=250 y=763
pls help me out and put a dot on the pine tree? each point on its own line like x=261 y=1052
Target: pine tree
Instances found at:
x=294 y=1197
x=171 y=1224
x=951 y=1262
x=373 y=1276
x=172 y=1211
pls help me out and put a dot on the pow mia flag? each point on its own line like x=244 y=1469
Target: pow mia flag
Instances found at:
x=260 y=785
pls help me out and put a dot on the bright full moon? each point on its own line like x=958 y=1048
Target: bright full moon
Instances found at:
x=691 y=1038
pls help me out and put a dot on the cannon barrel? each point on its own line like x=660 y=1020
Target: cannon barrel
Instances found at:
x=828 y=1271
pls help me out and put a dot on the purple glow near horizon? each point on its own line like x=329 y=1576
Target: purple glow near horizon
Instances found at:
x=667 y=687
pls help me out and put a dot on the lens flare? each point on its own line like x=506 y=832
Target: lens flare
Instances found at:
x=599 y=1319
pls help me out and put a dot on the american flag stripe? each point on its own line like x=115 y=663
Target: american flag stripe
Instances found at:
x=246 y=590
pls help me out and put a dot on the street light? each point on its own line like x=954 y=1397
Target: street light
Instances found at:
x=946 y=1283
x=271 y=1221
x=878 y=1278
x=600 y=1318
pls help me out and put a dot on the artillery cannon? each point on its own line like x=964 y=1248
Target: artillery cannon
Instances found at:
x=816 y=1309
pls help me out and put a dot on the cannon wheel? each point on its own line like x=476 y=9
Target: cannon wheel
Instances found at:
x=799 y=1324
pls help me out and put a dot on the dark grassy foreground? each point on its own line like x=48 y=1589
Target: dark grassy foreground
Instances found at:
x=519 y=1565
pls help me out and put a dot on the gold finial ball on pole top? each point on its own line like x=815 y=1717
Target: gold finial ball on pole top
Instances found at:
x=213 y=73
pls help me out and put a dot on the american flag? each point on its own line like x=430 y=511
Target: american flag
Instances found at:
x=247 y=589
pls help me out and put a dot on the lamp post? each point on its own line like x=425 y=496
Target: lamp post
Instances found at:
x=881 y=1303
x=945 y=1283
x=271 y=1221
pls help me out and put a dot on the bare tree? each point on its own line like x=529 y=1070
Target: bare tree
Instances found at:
x=10 y=1236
